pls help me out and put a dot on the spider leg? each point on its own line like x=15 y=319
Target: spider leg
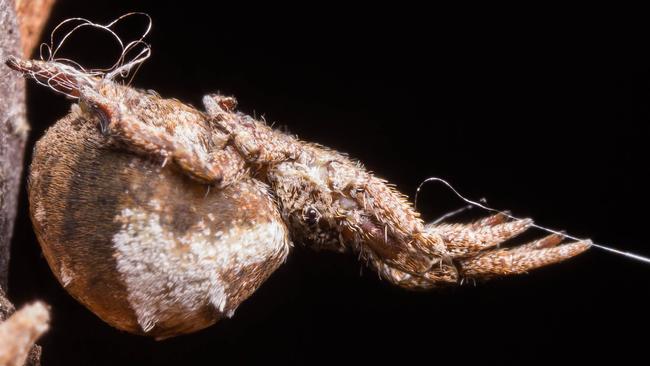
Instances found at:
x=254 y=140
x=488 y=264
x=509 y=261
x=155 y=141
x=181 y=138
x=464 y=240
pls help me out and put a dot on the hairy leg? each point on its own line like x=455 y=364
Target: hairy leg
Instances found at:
x=464 y=240
x=183 y=139
x=472 y=253
x=517 y=260
x=254 y=140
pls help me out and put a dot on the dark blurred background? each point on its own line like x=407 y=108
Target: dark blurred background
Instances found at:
x=543 y=112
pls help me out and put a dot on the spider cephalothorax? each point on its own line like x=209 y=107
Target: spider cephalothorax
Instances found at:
x=162 y=218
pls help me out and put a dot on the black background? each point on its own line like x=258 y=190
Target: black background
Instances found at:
x=541 y=111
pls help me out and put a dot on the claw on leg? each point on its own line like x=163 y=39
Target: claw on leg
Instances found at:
x=491 y=220
x=545 y=242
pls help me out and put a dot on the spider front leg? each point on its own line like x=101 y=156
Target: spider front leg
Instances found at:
x=469 y=239
x=473 y=247
x=177 y=134
x=518 y=260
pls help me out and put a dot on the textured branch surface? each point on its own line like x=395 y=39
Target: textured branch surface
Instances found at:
x=32 y=15
x=19 y=332
x=13 y=133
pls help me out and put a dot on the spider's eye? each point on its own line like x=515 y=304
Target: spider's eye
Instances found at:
x=311 y=216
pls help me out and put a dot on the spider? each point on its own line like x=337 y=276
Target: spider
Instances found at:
x=162 y=218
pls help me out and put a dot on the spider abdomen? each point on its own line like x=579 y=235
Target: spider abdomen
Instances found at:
x=146 y=248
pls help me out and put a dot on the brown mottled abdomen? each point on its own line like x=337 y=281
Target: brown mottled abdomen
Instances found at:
x=146 y=248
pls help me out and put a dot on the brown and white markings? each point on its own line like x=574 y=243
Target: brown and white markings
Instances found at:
x=162 y=219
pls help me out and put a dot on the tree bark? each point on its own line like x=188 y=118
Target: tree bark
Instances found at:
x=13 y=123
x=28 y=324
x=19 y=331
x=13 y=132
x=32 y=15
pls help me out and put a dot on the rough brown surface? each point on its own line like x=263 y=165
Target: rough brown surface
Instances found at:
x=6 y=310
x=19 y=332
x=6 y=307
x=32 y=15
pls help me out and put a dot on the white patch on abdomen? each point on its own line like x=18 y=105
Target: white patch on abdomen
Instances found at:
x=169 y=275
